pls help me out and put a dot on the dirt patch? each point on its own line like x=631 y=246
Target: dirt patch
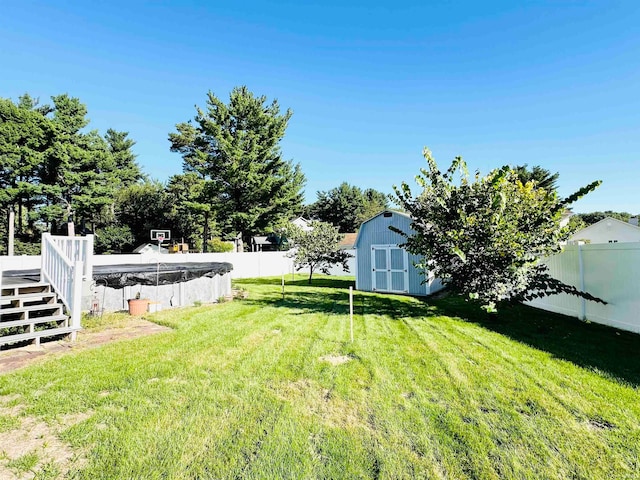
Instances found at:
x=311 y=399
x=599 y=424
x=335 y=359
x=21 y=357
x=41 y=441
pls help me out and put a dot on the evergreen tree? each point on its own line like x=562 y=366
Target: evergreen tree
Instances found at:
x=542 y=177
x=23 y=133
x=143 y=207
x=347 y=206
x=235 y=148
x=190 y=211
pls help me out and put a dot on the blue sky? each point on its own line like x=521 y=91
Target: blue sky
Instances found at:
x=555 y=84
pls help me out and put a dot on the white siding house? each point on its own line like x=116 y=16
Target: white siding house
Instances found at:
x=382 y=266
x=607 y=230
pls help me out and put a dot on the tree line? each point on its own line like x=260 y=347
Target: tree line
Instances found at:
x=234 y=182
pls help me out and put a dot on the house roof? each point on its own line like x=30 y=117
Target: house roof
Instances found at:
x=607 y=222
x=149 y=248
x=348 y=241
x=265 y=240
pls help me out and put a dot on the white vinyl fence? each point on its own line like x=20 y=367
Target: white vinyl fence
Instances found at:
x=245 y=265
x=610 y=271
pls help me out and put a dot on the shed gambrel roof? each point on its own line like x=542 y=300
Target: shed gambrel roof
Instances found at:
x=396 y=212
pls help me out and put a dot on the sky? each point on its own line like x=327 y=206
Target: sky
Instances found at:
x=555 y=84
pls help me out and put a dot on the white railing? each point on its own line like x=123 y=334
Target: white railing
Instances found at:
x=77 y=248
x=63 y=266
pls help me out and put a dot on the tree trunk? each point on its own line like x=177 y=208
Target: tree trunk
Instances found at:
x=240 y=243
x=20 y=225
x=310 y=274
x=12 y=221
x=205 y=232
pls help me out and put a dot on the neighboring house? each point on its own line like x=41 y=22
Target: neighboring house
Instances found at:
x=348 y=241
x=303 y=223
x=267 y=243
x=382 y=266
x=566 y=215
x=607 y=230
x=150 y=248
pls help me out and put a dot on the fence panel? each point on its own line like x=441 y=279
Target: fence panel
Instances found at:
x=608 y=271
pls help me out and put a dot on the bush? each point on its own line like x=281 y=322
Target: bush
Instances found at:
x=219 y=246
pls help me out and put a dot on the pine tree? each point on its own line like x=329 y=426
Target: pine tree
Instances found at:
x=235 y=148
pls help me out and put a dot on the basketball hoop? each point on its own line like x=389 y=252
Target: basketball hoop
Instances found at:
x=160 y=235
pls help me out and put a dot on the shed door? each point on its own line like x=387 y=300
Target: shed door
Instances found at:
x=389 y=269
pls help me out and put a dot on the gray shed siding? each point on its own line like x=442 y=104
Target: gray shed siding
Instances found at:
x=376 y=232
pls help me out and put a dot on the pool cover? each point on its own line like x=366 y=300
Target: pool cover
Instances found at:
x=120 y=276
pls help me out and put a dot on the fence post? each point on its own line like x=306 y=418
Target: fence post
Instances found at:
x=583 y=301
x=76 y=303
x=88 y=266
x=43 y=250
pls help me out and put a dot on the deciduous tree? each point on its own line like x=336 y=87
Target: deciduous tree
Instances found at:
x=486 y=236
x=317 y=248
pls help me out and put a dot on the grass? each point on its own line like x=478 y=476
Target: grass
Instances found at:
x=431 y=389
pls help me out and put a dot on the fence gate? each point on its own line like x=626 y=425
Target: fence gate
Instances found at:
x=389 y=272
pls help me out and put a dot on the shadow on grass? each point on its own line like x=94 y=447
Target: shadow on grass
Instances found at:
x=321 y=282
x=590 y=345
x=596 y=347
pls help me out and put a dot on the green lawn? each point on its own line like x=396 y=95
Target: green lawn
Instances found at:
x=255 y=389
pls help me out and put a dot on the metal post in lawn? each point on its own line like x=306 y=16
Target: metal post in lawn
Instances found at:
x=583 y=301
x=351 y=311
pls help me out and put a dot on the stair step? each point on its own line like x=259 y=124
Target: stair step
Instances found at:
x=9 y=289
x=35 y=321
x=28 y=297
x=43 y=333
x=30 y=308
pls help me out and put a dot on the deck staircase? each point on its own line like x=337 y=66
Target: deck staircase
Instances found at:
x=29 y=311
x=52 y=304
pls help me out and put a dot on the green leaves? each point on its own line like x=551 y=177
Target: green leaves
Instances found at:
x=485 y=237
x=317 y=248
x=235 y=148
x=347 y=206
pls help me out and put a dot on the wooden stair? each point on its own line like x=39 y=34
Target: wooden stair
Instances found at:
x=29 y=311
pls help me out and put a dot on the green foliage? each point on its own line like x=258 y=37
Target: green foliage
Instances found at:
x=189 y=209
x=486 y=236
x=26 y=248
x=542 y=177
x=576 y=223
x=114 y=239
x=51 y=168
x=347 y=206
x=595 y=217
x=235 y=149
x=220 y=246
x=143 y=207
x=317 y=248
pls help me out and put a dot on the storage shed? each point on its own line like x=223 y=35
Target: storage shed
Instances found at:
x=382 y=266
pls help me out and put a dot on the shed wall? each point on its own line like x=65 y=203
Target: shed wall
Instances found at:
x=376 y=232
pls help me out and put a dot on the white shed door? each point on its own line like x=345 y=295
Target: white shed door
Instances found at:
x=389 y=269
